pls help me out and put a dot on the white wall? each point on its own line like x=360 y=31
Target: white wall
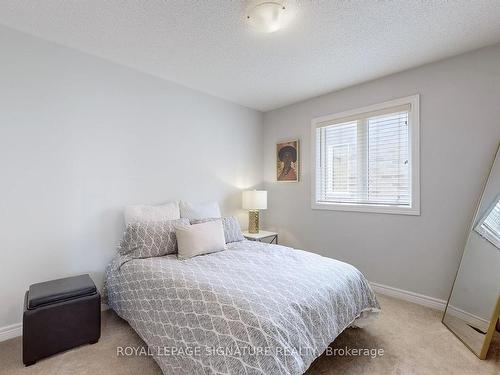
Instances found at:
x=460 y=131
x=81 y=137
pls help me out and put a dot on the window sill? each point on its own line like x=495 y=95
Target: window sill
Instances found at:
x=380 y=209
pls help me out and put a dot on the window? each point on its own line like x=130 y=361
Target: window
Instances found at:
x=489 y=225
x=368 y=159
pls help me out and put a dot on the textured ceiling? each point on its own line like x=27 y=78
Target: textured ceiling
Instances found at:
x=207 y=45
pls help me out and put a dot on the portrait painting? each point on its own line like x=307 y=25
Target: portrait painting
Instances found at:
x=287 y=159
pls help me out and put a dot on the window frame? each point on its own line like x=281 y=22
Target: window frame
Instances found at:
x=414 y=156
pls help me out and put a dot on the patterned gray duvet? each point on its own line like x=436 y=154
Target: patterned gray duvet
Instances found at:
x=252 y=309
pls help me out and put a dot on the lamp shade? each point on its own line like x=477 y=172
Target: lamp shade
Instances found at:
x=255 y=199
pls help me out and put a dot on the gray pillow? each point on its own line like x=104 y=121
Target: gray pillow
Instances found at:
x=150 y=239
x=231 y=225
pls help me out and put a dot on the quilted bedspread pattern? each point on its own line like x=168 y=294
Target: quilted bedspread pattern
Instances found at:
x=255 y=308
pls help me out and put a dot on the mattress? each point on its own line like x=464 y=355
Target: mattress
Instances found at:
x=255 y=308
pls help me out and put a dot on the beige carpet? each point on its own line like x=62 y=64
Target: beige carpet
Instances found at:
x=412 y=336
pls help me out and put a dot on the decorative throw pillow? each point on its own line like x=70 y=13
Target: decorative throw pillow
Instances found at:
x=150 y=239
x=198 y=239
x=231 y=226
x=199 y=210
x=143 y=214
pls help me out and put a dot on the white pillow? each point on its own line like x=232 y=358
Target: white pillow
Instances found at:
x=193 y=211
x=148 y=214
x=198 y=239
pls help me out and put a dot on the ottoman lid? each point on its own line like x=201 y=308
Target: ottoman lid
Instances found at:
x=54 y=291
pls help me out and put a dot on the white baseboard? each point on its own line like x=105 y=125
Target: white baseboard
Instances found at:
x=9 y=332
x=469 y=318
x=419 y=299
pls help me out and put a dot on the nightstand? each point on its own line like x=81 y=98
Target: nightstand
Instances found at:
x=261 y=235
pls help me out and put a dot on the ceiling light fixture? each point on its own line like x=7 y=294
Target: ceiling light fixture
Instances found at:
x=267 y=16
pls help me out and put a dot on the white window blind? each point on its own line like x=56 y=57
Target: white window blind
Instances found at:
x=492 y=221
x=365 y=158
x=489 y=227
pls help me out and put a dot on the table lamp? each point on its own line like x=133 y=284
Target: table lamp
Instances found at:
x=253 y=201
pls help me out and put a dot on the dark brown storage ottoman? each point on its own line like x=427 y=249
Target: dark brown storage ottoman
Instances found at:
x=59 y=315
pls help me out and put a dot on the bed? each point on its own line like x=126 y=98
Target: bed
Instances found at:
x=255 y=308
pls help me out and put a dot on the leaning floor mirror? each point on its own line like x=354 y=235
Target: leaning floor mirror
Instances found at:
x=472 y=312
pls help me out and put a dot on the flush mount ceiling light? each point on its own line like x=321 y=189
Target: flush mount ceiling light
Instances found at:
x=267 y=16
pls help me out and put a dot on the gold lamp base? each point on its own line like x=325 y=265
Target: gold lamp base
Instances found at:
x=253 y=221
